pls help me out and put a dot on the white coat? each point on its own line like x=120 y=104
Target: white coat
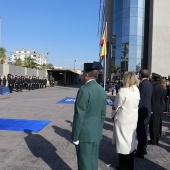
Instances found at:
x=125 y=119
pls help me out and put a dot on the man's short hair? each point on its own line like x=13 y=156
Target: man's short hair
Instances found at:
x=144 y=73
x=92 y=73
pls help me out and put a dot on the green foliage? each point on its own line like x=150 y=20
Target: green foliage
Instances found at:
x=50 y=66
x=30 y=62
x=2 y=55
x=18 y=62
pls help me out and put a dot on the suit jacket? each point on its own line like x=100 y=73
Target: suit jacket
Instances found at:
x=157 y=98
x=89 y=113
x=146 y=89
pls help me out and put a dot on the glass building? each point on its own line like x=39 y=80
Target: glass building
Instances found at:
x=128 y=35
x=137 y=36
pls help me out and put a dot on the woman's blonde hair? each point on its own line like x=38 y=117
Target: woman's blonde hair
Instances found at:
x=163 y=83
x=130 y=79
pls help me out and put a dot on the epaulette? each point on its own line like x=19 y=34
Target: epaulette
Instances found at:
x=83 y=86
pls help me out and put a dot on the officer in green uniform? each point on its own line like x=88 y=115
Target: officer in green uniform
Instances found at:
x=89 y=116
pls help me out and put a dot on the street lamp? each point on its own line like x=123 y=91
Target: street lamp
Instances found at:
x=74 y=66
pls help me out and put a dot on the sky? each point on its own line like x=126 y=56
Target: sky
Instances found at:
x=66 y=29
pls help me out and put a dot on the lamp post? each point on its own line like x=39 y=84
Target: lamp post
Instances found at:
x=0 y=31
x=46 y=60
x=74 y=66
x=74 y=69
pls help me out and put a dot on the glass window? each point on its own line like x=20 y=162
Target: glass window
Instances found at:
x=132 y=51
x=139 y=51
x=119 y=27
x=119 y=4
x=134 y=12
x=139 y=40
x=117 y=62
x=126 y=12
x=125 y=39
x=118 y=51
x=118 y=40
x=140 y=26
x=125 y=50
x=141 y=3
x=126 y=3
x=134 y=3
x=132 y=40
x=114 y=5
x=141 y=12
x=114 y=16
x=114 y=27
x=125 y=27
x=133 y=25
x=119 y=14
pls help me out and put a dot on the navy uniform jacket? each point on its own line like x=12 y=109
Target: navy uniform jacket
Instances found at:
x=146 y=89
x=89 y=113
x=157 y=98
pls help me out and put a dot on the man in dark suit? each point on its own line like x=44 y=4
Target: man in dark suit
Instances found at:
x=157 y=98
x=89 y=116
x=144 y=113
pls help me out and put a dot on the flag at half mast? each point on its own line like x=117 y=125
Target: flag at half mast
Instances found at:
x=103 y=45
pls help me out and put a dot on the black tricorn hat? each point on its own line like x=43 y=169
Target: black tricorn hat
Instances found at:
x=93 y=66
x=156 y=75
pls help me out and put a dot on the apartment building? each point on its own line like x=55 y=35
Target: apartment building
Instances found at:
x=40 y=59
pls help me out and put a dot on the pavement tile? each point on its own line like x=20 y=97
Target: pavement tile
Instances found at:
x=52 y=147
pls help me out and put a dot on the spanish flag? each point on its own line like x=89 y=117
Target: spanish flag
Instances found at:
x=103 y=45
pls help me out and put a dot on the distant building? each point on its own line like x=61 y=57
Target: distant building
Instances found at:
x=40 y=59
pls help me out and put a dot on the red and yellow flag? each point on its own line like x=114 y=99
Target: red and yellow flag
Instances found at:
x=103 y=45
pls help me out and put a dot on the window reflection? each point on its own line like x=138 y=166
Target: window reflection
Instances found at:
x=133 y=25
x=125 y=30
x=126 y=3
x=126 y=12
x=134 y=3
x=134 y=12
x=128 y=27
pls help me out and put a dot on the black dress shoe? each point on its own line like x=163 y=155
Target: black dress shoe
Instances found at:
x=150 y=142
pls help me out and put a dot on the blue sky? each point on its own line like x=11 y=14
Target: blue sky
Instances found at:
x=67 y=29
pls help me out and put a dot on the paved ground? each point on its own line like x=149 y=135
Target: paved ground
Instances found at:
x=52 y=147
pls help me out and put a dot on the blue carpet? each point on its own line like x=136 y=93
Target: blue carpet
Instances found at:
x=22 y=125
x=68 y=100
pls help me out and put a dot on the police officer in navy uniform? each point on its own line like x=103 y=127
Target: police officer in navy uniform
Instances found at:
x=157 y=98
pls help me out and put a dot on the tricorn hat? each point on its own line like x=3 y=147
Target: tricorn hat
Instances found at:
x=156 y=75
x=93 y=66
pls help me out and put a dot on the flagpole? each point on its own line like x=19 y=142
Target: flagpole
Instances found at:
x=105 y=59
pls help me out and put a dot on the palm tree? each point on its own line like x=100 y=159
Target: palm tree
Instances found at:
x=50 y=66
x=2 y=55
x=30 y=62
x=18 y=62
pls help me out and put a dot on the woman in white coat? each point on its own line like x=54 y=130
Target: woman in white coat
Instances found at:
x=125 y=120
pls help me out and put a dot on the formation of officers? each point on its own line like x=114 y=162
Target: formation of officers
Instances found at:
x=18 y=83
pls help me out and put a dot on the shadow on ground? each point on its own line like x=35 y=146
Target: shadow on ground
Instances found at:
x=42 y=148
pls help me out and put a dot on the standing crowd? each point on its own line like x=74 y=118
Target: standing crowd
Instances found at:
x=137 y=110
x=18 y=83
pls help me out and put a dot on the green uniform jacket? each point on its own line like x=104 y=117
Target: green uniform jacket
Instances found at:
x=89 y=113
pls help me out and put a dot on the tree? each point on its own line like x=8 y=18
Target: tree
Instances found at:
x=30 y=62
x=18 y=62
x=50 y=66
x=2 y=55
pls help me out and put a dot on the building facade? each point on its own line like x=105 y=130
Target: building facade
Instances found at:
x=139 y=36
x=22 y=54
